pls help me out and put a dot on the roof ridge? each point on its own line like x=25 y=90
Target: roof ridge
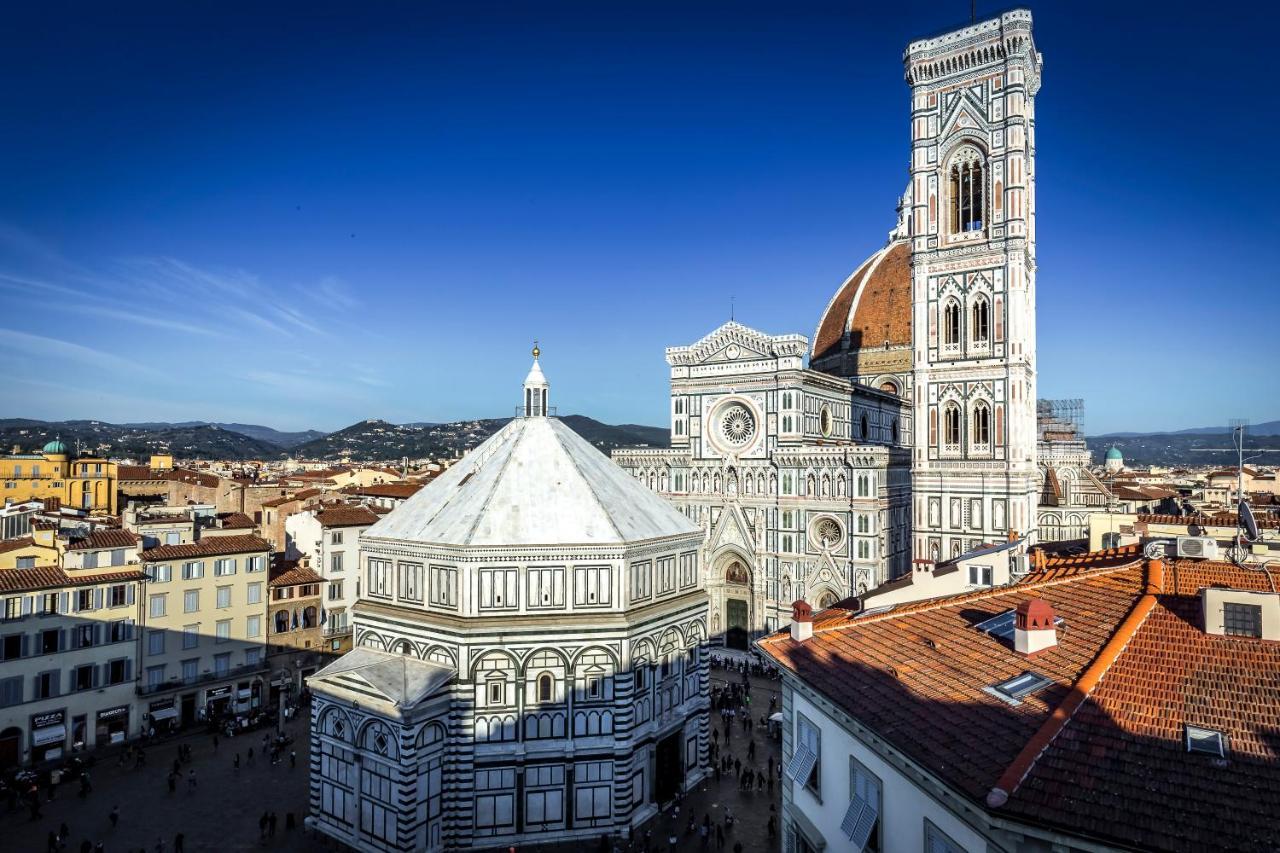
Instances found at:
x=586 y=481
x=1016 y=772
x=947 y=601
x=497 y=478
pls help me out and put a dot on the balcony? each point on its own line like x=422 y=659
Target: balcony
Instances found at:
x=213 y=675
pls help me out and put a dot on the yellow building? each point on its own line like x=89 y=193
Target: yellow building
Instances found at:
x=204 y=629
x=87 y=483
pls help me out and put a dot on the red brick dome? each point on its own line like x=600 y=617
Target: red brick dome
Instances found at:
x=872 y=307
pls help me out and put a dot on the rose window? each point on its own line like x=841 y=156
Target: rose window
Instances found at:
x=828 y=532
x=737 y=424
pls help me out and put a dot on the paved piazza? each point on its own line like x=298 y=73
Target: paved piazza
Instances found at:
x=221 y=813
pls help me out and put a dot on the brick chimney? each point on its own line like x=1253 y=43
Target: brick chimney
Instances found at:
x=1033 y=627
x=801 y=620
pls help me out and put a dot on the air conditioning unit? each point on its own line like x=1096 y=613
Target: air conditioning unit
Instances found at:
x=1198 y=547
x=1019 y=565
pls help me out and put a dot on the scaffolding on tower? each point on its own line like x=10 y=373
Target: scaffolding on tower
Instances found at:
x=1060 y=420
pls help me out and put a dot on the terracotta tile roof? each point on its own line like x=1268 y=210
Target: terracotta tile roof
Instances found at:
x=303 y=495
x=104 y=537
x=386 y=490
x=235 y=521
x=292 y=573
x=140 y=472
x=212 y=546
x=52 y=577
x=873 y=304
x=1099 y=752
x=186 y=475
x=1226 y=519
x=15 y=544
x=344 y=515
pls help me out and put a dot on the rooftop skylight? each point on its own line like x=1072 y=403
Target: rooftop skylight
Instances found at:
x=1208 y=741
x=1020 y=686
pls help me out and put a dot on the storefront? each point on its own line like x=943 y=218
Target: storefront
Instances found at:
x=112 y=725
x=48 y=735
x=217 y=701
x=162 y=715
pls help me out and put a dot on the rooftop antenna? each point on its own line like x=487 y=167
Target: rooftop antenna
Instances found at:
x=731 y=308
x=973 y=11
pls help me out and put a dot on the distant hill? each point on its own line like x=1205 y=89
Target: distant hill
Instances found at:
x=1263 y=429
x=372 y=440
x=261 y=433
x=1184 y=448
x=188 y=440
x=378 y=439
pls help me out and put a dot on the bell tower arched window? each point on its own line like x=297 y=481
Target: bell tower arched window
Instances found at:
x=980 y=330
x=951 y=426
x=982 y=426
x=951 y=324
x=966 y=184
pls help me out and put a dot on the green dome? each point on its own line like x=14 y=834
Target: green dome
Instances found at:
x=1114 y=453
x=55 y=446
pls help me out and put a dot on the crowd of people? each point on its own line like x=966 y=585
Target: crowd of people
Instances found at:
x=32 y=789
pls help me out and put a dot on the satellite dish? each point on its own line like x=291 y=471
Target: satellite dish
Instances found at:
x=1248 y=522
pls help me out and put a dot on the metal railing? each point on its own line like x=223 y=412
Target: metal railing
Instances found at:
x=212 y=675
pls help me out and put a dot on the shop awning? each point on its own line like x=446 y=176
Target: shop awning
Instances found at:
x=165 y=713
x=52 y=734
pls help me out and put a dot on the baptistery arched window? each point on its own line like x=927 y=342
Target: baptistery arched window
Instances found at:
x=966 y=186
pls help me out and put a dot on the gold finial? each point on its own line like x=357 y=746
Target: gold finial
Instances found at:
x=536 y=352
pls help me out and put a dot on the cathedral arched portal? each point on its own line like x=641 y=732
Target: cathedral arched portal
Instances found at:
x=732 y=585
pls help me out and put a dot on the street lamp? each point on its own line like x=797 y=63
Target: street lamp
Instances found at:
x=286 y=677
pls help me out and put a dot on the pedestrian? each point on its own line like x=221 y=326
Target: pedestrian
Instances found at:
x=114 y=817
x=271 y=826
x=773 y=824
x=751 y=751
x=191 y=780
x=293 y=758
x=235 y=763
x=178 y=841
x=250 y=756
x=215 y=741
x=262 y=826
x=289 y=822
x=737 y=765
x=159 y=845
x=51 y=843
x=173 y=782
x=770 y=765
x=720 y=836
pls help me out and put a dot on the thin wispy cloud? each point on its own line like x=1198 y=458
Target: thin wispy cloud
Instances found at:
x=42 y=347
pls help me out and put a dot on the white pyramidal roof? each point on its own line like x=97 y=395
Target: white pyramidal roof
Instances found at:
x=534 y=482
x=401 y=680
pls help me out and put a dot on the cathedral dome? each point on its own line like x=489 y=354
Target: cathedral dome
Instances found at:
x=55 y=448
x=871 y=310
x=534 y=482
x=1114 y=453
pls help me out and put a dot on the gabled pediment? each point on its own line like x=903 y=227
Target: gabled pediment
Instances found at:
x=736 y=342
x=964 y=112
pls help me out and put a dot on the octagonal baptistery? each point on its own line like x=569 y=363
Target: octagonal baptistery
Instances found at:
x=529 y=660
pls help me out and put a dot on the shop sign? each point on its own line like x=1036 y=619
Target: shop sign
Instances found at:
x=162 y=705
x=51 y=718
x=217 y=692
x=112 y=713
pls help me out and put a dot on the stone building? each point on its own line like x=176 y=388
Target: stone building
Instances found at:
x=530 y=657
x=799 y=478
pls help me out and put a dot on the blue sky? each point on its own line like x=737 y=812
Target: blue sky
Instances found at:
x=304 y=216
